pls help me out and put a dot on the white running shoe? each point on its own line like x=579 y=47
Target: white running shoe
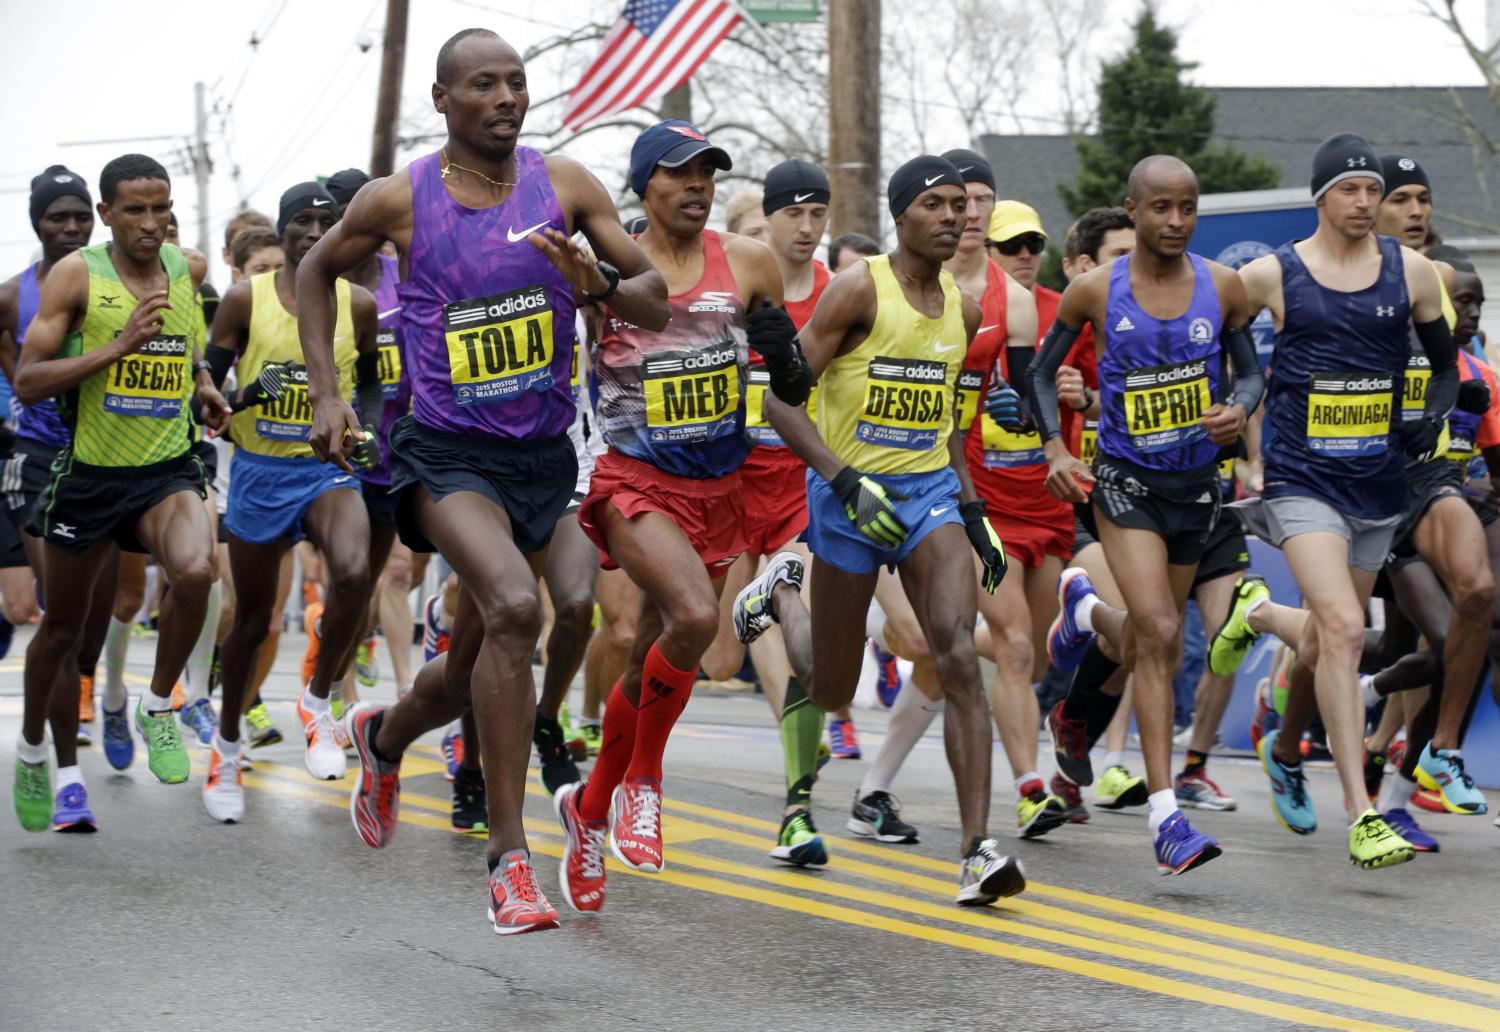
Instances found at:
x=323 y=758
x=752 y=606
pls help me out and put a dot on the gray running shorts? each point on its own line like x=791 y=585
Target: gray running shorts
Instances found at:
x=1273 y=520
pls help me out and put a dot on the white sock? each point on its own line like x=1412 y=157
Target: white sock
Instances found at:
x=1083 y=612
x=1395 y=793
x=226 y=749
x=153 y=703
x=440 y=616
x=1253 y=606
x=1114 y=759
x=32 y=754
x=1367 y=688
x=116 y=644
x=911 y=716
x=1030 y=775
x=195 y=674
x=1160 y=806
x=313 y=704
x=67 y=776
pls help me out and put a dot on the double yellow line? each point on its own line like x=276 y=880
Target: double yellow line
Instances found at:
x=897 y=892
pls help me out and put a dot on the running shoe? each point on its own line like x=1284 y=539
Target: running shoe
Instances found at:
x=85 y=709
x=165 y=754
x=1265 y=718
x=1038 y=812
x=1395 y=754
x=453 y=748
x=878 y=816
x=1429 y=800
x=1072 y=799
x=1442 y=771
x=516 y=901
x=753 y=608
x=323 y=758
x=558 y=768
x=119 y=743
x=985 y=874
x=1179 y=848
x=593 y=737
x=262 y=731
x=1232 y=641
x=799 y=842
x=312 y=620
x=366 y=663
x=179 y=697
x=375 y=799
x=1070 y=743
x=1289 y=800
x=581 y=872
x=1405 y=825
x=572 y=737
x=70 y=811
x=470 y=809
x=224 y=790
x=1066 y=641
x=1375 y=764
x=1373 y=843
x=1196 y=791
x=843 y=744
x=635 y=837
x=32 y=794
x=887 y=675
x=434 y=637
x=1118 y=788
x=197 y=719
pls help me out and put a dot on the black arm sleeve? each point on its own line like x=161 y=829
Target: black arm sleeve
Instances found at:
x=1017 y=362
x=369 y=395
x=1442 y=355
x=1041 y=378
x=219 y=362
x=1249 y=383
x=791 y=378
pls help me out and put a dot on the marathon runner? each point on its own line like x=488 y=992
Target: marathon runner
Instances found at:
x=849 y=249
x=482 y=467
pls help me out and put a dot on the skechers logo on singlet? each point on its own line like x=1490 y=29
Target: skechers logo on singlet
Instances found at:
x=906 y=403
x=289 y=417
x=1163 y=405
x=1349 y=413
x=148 y=382
x=500 y=346
x=715 y=301
x=389 y=363
x=691 y=396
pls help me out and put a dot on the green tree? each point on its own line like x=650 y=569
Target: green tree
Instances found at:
x=1146 y=107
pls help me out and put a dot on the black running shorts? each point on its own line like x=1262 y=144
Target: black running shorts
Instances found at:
x=1180 y=508
x=84 y=504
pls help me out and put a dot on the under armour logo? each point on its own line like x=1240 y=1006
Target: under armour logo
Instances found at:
x=1384 y=310
x=1359 y=162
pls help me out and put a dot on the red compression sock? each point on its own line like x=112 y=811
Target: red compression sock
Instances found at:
x=664 y=695
x=617 y=742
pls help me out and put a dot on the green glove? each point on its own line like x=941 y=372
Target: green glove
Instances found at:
x=869 y=507
x=367 y=453
x=986 y=543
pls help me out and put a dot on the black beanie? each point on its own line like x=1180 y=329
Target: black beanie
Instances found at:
x=794 y=182
x=917 y=176
x=1343 y=156
x=344 y=185
x=1399 y=170
x=57 y=181
x=304 y=195
x=972 y=166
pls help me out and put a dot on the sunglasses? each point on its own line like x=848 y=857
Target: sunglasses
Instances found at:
x=1033 y=243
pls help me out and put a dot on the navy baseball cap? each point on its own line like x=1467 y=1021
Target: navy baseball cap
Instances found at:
x=671 y=144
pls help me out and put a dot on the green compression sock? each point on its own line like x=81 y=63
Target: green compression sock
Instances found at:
x=801 y=731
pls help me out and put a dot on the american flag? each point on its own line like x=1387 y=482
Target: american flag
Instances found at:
x=652 y=49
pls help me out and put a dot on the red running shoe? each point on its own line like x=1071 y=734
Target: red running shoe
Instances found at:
x=1070 y=743
x=376 y=796
x=1427 y=799
x=582 y=870
x=1072 y=799
x=635 y=838
x=516 y=901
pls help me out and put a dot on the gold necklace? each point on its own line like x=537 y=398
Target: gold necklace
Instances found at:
x=449 y=166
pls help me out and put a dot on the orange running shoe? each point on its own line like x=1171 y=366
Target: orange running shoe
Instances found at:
x=311 y=616
x=312 y=593
x=178 y=698
x=85 y=699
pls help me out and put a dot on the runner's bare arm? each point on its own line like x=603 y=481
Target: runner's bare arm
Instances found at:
x=1079 y=305
x=1262 y=280
x=973 y=316
x=1433 y=334
x=197 y=266
x=10 y=297
x=369 y=395
x=641 y=297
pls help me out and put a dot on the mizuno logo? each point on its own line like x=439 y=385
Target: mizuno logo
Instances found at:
x=799 y=198
x=515 y=237
x=1124 y=324
x=108 y=300
x=318 y=204
x=934 y=179
x=64 y=529
x=388 y=313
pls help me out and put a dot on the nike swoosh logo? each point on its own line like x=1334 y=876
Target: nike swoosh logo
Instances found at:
x=965 y=169
x=388 y=313
x=934 y=179
x=940 y=348
x=984 y=329
x=799 y=198
x=515 y=237
x=319 y=204
x=936 y=512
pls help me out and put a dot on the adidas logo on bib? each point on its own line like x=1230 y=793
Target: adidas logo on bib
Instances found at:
x=1124 y=324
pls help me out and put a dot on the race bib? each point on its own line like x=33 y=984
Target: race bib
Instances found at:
x=906 y=403
x=575 y=374
x=1349 y=413
x=1461 y=447
x=500 y=346
x=1414 y=386
x=390 y=363
x=1088 y=442
x=1164 y=403
x=149 y=382
x=969 y=383
x=757 y=426
x=692 y=396
x=1006 y=449
x=287 y=419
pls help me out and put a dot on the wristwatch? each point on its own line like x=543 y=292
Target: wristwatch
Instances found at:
x=202 y=366
x=612 y=276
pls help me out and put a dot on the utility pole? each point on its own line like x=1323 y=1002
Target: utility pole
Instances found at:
x=201 y=166
x=854 y=117
x=678 y=103
x=388 y=104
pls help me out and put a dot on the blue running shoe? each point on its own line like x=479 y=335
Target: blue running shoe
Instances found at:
x=198 y=721
x=1403 y=824
x=1066 y=641
x=1444 y=773
x=887 y=675
x=1289 y=800
x=1179 y=848
x=70 y=811
x=119 y=745
x=453 y=749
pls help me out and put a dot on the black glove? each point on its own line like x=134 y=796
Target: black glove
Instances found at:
x=1474 y=397
x=1419 y=437
x=869 y=508
x=367 y=453
x=771 y=333
x=986 y=543
x=270 y=385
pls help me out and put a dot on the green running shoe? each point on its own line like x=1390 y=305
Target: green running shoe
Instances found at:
x=1233 y=639
x=1118 y=788
x=165 y=754
x=33 y=795
x=1373 y=843
x=799 y=842
x=262 y=731
x=336 y=707
x=1038 y=813
x=593 y=737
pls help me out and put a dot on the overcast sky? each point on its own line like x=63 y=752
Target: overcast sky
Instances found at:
x=303 y=101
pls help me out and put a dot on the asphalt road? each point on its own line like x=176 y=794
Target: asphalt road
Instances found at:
x=165 y=920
